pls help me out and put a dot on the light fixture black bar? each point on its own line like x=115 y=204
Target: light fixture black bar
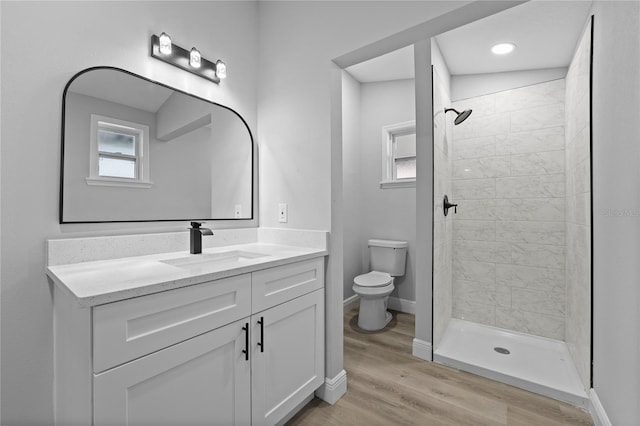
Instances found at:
x=179 y=57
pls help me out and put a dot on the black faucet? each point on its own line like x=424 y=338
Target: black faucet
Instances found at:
x=195 y=234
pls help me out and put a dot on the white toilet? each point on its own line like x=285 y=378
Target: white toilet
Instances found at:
x=387 y=259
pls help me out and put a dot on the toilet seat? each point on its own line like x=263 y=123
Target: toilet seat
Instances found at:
x=373 y=279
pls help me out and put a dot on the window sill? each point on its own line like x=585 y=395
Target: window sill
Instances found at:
x=404 y=183
x=119 y=182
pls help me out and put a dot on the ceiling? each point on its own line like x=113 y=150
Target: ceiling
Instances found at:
x=545 y=33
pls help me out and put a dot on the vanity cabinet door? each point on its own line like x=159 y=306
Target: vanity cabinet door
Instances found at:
x=287 y=356
x=202 y=381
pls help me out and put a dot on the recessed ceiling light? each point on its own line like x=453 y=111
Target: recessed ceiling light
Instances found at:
x=503 y=48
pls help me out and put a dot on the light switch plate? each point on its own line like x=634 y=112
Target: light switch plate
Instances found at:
x=238 y=212
x=283 y=213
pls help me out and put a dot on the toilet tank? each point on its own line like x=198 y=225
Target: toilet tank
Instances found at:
x=388 y=256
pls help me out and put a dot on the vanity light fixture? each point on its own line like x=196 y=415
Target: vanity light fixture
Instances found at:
x=221 y=69
x=165 y=44
x=194 y=58
x=164 y=50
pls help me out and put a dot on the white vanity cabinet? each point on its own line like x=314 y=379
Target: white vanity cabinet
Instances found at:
x=242 y=350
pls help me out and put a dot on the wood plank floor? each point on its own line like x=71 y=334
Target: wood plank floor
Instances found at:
x=388 y=386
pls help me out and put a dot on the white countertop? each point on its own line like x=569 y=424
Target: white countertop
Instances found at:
x=105 y=281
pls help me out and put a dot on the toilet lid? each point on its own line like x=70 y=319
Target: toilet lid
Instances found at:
x=373 y=279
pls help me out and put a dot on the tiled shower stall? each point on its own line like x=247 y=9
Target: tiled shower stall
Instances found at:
x=517 y=254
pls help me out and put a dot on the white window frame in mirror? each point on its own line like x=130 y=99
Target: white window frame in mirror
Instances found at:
x=142 y=153
x=388 y=155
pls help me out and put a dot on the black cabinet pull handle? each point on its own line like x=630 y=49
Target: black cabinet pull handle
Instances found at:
x=261 y=342
x=245 y=351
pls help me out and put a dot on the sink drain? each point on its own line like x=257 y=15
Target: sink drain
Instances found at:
x=503 y=351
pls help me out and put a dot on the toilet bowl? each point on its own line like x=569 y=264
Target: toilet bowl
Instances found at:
x=374 y=289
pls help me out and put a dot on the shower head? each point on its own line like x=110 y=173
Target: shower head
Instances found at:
x=461 y=115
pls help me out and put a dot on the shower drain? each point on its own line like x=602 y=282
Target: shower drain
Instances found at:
x=503 y=351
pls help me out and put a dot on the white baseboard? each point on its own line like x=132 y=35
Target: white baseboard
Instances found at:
x=350 y=302
x=422 y=350
x=596 y=410
x=402 y=305
x=333 y=388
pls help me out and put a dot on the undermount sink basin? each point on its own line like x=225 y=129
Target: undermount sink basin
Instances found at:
x=227 y=257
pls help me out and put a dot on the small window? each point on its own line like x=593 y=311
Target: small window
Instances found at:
x=119 y=153
x=399 y=155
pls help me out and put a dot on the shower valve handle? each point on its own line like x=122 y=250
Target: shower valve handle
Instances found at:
x=447 y=205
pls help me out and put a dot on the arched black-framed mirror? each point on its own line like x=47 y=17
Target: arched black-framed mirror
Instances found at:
x=135 y=150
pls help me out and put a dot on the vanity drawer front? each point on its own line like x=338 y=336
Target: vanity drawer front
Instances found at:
x=277 y=285
x=129 y=329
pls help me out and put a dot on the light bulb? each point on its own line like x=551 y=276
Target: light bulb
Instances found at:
x=503 y=48
x=194 y=58
x=221 y=69
x=165 y=44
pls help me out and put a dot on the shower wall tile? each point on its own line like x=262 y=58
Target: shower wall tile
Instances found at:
x=474 y=189
x=539 y=302
x=530 y=232
x=478 y=126
x=475 y=148
x=478 y=168
x=472 y=292
x=544 y=186
x=578 y=208
x=543 y=325
x=537 y=163
x=475 y=312
x=476 y=230
x=481 y=105
x=537 y=118
x=483 y=251
x=544 y=209
x=480 y=272
x=541 y=140
x=528 y=97
x=538 y=255
x=477 y=210
x=509 y=174
x=541 y=279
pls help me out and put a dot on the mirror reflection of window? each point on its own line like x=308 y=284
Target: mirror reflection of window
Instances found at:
x=119 y=153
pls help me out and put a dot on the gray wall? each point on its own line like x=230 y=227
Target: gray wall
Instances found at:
x=616 y=209
x=354 y=258
x=32 y=88
x=370 y=211
x=386 y=213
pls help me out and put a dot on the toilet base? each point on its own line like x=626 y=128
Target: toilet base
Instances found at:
x=373 y=315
